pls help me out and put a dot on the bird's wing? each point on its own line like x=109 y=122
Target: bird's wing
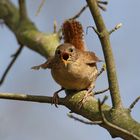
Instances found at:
x=47 y=64
x=91 y=58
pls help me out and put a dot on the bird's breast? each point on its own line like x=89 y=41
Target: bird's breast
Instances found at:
x=74 y=76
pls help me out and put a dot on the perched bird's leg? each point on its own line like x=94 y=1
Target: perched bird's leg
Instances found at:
x=43 y=66
x=87 y=94
x=55 y=98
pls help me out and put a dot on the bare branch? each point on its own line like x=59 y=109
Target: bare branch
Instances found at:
x=113 y=126
x=79 y=13
x=26 y=32
x=102 y=2
x=134 y=103
x=83 y=121
x=27 y=97
x=55 y=26
x=108 y=54
x=40 y=6
x=95 y=30
x=93 y=115
x=102 y=7
x=102 y=70
x=101 y=91
x=41 y=43
x=22 y=9
x=118 y=26
x=84 y=8
x=15 y=56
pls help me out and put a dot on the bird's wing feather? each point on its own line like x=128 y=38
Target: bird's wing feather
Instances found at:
x=91 y=58
x=47 y=64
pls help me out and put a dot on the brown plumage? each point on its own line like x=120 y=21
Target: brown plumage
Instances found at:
x=72 y=68
x=72 y=31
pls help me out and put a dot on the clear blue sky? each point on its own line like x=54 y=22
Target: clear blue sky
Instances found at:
x=34 y=121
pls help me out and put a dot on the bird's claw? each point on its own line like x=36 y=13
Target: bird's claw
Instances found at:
x=55 y=99
x=84 y=99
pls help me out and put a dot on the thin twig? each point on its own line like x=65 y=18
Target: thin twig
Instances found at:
x=83 y=121
x=116 y=28
x=101 y=7
x=22 y=9
x=55 y=26
x=95 y=30
x=15 y=56
x=102 y=70
x=30 y=98
x=73 y=18
x=40 y=6
x=101 y=91
x=104 y=99
x=102 y=2
x=79 y=13
x=84 y=8
x=134 y=103
x=113 y=126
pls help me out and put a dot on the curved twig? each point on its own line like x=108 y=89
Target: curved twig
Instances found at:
x=15 y=56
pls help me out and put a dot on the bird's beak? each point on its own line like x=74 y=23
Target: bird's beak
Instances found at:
x=65 y=62
x=64 y=58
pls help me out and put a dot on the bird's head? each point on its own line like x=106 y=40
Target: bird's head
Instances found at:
x=65 y=53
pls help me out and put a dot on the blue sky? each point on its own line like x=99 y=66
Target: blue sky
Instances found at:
x=24 y=120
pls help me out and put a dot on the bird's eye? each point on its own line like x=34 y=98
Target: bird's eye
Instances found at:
x=58 y=52
x=71 y=49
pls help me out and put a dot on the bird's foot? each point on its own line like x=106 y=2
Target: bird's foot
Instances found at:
x=84 y=99
x=55 y=98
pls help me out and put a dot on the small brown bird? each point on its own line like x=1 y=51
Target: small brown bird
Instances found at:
x=72 y=68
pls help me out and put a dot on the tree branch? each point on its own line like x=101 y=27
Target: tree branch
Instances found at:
x=22 y=9
x=28 y=35
x=83 y=121
x=89 y=110
x=25 y=97
x=26 y=32
x=101 y=91
x=15 y=56
x=116 y=128
x=108 y=54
